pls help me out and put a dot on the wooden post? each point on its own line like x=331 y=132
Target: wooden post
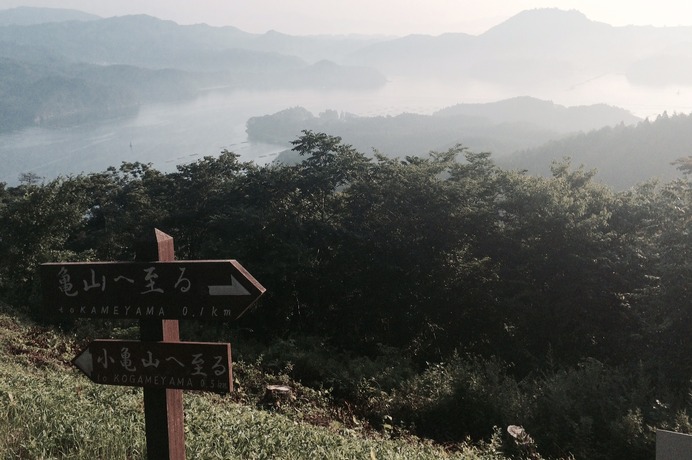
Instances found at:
x=163 y=408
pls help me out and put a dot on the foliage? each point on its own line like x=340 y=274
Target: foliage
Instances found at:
x=37 y=222
x=564 y=268
x=593 y=411
x=463 y=397
x=440 y=296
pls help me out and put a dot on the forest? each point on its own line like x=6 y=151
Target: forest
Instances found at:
x=438 y=295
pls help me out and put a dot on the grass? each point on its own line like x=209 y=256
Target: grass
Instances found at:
x=48 y=410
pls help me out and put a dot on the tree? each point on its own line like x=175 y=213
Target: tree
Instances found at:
x=124 y=204
x=36 y=224
x=200 y=193
x=563 y=269
x=684 y=164
x=664 y=240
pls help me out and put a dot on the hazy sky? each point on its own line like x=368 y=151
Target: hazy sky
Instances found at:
x=390 y=17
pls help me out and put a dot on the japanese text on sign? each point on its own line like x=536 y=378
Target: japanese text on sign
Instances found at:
x=183 y=365
x=166 y=290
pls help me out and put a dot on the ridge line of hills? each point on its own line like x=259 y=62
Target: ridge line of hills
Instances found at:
x=61 y=66
x=522 y=133
x=501 y=127
x=521 y=52
x=567 y=40
x=122 y=62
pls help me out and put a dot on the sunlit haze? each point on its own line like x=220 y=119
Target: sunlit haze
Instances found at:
x=193 y=91
x=388 y=17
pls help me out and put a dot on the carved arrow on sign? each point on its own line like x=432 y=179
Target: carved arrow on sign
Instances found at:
x=235 y=288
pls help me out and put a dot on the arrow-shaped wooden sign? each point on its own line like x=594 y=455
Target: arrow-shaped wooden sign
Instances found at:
x=207 y=289
x=180 y=365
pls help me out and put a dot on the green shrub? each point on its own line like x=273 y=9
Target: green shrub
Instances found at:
x=590 y=411
x=465 y=397
x=314 y=363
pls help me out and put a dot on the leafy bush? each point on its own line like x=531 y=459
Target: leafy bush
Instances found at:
x=592 y=411
x=314 y=363
x=464 y=397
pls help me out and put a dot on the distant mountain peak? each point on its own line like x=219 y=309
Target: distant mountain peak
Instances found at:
x=553 y=12
x=550 y=14
x=547 y=20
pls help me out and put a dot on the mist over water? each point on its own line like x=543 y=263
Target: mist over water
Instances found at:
x=167 y=135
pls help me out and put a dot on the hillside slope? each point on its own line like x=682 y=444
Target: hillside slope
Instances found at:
x=50 y=410
x=622 y=155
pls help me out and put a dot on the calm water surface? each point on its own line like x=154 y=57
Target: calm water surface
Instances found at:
x=167 y=135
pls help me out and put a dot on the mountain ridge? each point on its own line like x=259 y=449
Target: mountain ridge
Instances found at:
x=501 y=127
x=532 y=46
x=156 y=60
x=623 y=155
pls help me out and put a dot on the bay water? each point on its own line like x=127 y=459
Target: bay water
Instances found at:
x=171 y=134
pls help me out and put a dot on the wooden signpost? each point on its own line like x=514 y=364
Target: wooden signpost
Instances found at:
x=158 y=291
